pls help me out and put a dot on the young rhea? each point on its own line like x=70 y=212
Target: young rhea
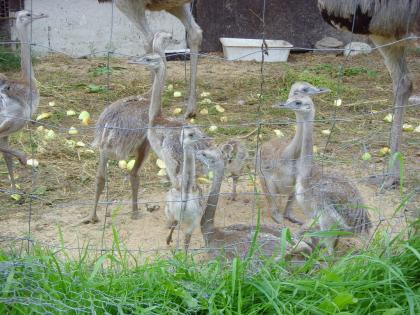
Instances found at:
x=276 y=163
x=235 y=155
x=328 y=198
x=236 y=240
x=121 y=129
x=185 y=207
x=18 y=99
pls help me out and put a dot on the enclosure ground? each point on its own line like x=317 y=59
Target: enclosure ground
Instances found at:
x=63 y=184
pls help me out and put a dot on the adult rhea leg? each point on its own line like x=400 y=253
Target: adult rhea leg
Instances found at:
x=135 y=10
x=194 y=38
x=394 y=56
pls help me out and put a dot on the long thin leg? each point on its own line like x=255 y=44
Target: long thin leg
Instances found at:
x=194 y=38
x=394 y=56
x=135 y=10
x=288 y=210
x=235 y=179
x=100 y=185
x=134 y=176
x=187 y=241
x=5 y=149
x=270 y=192
x=9 y=162
x=169 y=238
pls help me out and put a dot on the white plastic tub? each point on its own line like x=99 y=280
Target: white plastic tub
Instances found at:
x=250 y=49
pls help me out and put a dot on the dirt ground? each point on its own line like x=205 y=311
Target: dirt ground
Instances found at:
x=63 y=184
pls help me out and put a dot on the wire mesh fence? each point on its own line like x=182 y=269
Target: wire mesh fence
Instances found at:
x=235 y=101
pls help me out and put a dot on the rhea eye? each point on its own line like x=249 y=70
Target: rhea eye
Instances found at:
x=28 y=14
x=305 y=89
x=190 y=135
x=298 y=103
x=205 y=155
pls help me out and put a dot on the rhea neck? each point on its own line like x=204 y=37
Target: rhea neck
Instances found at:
x=207 y=220
x=294 y=147
x=155 y=108
x=25 y=54
x=305 y=161
x=188 y=170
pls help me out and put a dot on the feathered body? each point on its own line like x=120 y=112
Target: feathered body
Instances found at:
x=335 y=199
x=379 y=17
x=235 y=240
x=235 y=154
x=122 y=127
x=18 y=99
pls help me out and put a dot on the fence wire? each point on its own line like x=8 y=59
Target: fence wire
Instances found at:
x=255 y=197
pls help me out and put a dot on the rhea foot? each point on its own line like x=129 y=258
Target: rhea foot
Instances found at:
x=275 y=215
x=169 y=239
x=135 y=215
x=232 y=197
x=292 y=219
x=92 y=219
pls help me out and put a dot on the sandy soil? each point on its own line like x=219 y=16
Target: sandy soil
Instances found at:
x=66 y=175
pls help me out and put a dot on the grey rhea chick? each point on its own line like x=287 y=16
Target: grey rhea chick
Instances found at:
x=236 y=240
x=184 y=207
x=121 y=129
x=276 y=163
x=235 y=155
x=18 y=99
x=329 y=199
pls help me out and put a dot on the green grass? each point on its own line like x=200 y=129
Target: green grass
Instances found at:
x=380 y=280
x=9 y=60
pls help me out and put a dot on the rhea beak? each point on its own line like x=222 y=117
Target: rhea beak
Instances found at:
x=138 y=61
x=321 y=91
x=278 y=105
x=39 y=16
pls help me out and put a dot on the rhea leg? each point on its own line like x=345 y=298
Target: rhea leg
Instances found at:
x=235 y=179
x=288 y=210
x=187 y=241
x=173 y=226
x=141 y=155
x=4 y=145
x=135 y=10
x=394 y=56
x=100 y=185
x=270 y=191
x=9 y=163
x=194 y=38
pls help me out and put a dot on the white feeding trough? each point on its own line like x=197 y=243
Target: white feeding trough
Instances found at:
x=250 y=49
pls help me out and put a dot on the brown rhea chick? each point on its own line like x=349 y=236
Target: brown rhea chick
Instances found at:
x=19 y=99
x=235 y=240
x=184 y=207
x=276 y=163
x=121 y=129
x=235 y=155
x=328 y=198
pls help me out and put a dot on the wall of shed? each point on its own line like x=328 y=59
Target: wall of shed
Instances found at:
x=296 y=21
x=81 y=27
